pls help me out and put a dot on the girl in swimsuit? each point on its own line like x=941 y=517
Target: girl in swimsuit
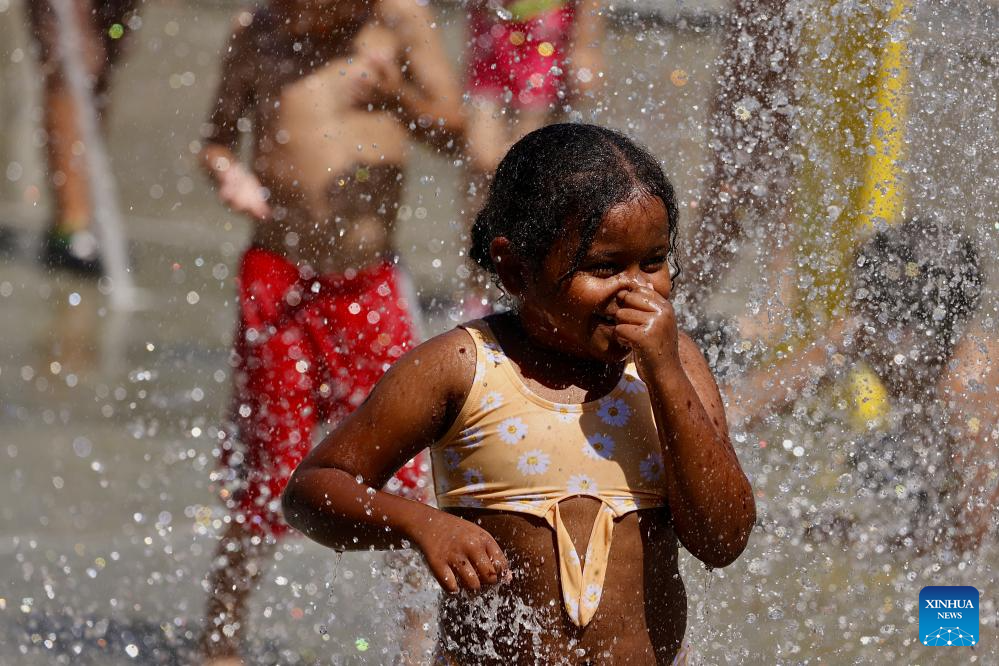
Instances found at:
x=577 y=440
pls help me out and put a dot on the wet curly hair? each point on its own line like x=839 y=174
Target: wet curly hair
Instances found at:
x=561 y=175
x=922 y=272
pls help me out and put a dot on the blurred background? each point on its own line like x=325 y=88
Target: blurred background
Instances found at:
x=109 y=415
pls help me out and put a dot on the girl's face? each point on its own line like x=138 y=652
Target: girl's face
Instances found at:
x=575 y=313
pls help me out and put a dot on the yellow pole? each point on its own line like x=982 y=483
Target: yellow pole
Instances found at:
x=853 y=118
x=882 y=195
x=852 y=181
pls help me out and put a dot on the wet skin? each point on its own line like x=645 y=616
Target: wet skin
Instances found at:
x=642 y=614
x=575 y=317
x=568 y=341
x=330 y=93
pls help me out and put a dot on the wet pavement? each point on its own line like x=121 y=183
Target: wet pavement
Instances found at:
x=108 y=419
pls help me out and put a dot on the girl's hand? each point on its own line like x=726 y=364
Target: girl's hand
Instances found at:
x=461 y=554
x=242 y=192
x=646 y=322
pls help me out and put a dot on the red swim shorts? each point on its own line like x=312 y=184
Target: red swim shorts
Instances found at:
x=308 y=350
x=522 y=55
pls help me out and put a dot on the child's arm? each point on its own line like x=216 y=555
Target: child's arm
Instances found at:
x=586 y=68
x=427 y=96
x=238 y=188
x=332 y=496
x=709 y=496
x=768 y=389
x=971 y=388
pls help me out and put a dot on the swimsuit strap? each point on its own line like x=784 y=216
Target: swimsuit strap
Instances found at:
x=583 y=578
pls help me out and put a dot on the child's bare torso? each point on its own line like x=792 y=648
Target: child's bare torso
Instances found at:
x=642 y=613
x=643 y=610
x=332 y=165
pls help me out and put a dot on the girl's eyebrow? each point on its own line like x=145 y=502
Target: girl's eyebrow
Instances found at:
x=604 y=255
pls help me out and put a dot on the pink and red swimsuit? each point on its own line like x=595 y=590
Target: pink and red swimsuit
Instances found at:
x=520 y=54
x=307 y=350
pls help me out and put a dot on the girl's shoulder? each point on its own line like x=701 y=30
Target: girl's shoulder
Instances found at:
x=444 y=366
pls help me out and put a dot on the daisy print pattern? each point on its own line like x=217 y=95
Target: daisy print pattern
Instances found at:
x=632 y=384
x=580 y=484
x=512 y=430
x=651 y=467
x=566 y=413
x=625 y=504
x=472 y=437
x=599 y=446
x=494 y=354
x=491 y=401
x=474 y=481
x=572 y=608
x=452 y=459
x=591 y=596
x=614 y=412
x=533 y=463
x=442 y=484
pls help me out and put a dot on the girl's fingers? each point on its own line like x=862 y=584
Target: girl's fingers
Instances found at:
x=466 y=574
x=484 y=568
x=497 y=557
x=640 y=298
x=629 y=334
x=445 y=577
x=632 y=316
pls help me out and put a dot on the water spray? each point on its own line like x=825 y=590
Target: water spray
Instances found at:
x=107 y=219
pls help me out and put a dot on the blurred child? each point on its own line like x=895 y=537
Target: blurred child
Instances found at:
x=70 y=243
x=526 y=62
x=576 y=440
x=330 y=93
x=915 y=375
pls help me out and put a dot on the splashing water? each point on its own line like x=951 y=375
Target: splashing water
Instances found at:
x=106 y=213
x=765 y=121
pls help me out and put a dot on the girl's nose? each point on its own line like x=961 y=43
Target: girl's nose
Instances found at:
x=634 y=279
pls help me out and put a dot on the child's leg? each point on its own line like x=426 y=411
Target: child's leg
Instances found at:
x=275 y=413
x=755 y=180
x=236 y=567
x=69 y=243
x=493 y=128
x=66 y=169
x=66 y=175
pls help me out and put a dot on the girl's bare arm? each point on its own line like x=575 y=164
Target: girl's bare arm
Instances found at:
x=709 y=495
x=334 y=498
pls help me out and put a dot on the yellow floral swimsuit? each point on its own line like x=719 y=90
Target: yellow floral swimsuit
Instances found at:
x=511 y=450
